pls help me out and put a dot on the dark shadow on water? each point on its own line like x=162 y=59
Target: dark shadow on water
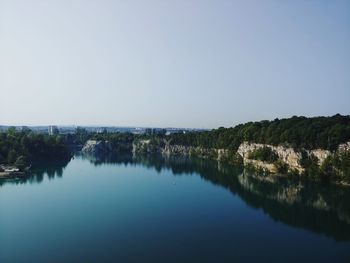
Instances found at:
x=317 y=207
x=37 y=174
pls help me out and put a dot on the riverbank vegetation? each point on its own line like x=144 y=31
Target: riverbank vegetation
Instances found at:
x=22 y=148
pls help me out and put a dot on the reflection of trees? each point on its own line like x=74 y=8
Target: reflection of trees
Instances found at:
x=50 y=169
x=322 y=208
x=109 y=158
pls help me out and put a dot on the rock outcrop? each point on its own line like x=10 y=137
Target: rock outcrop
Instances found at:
x=288 y=158
x=320 y=154
x=344 y=147
x=285 y=154
x=146 y=146
x=97 y=147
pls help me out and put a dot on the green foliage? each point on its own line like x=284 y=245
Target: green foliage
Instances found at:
x=265 y=154
x=81 y=136
x=310 y=164
x=327 y=167
x=343 y=164
x=21 y=162
x=293 y=172
x=337 y=165
x=298 y=132
x=24 y=147
x=11 y=156
x=281 y=167
x=232 y=157
x=305 y=160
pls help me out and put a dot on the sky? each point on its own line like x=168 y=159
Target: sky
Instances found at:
x=172 y=63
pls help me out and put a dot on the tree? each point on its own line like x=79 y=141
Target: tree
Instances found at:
x=11 y=156
x=21 y=162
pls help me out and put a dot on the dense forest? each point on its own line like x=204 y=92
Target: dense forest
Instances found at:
x=298 y=132
x=25 y=147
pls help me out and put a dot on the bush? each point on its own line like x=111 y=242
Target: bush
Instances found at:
x=21 y=162
x=237 y=160
x=281 y=167
x=310 y=163
x=265 y=154
x=293 y=172
x=339 y=163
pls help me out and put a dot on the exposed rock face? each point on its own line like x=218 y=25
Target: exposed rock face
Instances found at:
x=190 y=151
x=145 y=146
x=97 y=147
x=345 y=147
x=320 y=154
x=177 y=150
x=223 y=154
x=269 y=167
x=285 y=154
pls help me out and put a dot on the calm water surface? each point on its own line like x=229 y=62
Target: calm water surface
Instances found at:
x=151 y=209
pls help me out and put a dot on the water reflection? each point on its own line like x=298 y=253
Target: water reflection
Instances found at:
x=321 y=208
x=50 y=170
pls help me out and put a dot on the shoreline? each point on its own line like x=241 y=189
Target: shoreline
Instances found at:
x=12 y=175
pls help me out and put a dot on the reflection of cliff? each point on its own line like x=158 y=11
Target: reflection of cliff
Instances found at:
x=312 y=206
x=322 y=208
x=51 y=170
x=109 y=158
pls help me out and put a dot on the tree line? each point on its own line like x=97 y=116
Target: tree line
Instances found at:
x=297 y=132
x=25 y=147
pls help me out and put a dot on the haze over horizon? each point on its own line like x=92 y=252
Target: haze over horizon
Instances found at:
x=145 y=126
x=195 y=64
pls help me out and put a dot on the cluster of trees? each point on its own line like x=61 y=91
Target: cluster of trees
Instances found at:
x=265 y=154
x=297 y=132
x=335 y=165
x=24 y=147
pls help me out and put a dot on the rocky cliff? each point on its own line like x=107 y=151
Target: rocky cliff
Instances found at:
x=288 y=157
x=97 y=147
x=285 y=154
x=146 y=146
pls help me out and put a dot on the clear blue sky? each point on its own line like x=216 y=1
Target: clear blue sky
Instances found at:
x=179 y=63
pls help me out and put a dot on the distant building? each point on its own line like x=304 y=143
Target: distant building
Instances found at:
x=53 y=130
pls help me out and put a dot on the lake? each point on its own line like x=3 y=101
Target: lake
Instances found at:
x=157 y=209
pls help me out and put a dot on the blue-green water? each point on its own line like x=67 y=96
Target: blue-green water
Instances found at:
x=152 y=209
